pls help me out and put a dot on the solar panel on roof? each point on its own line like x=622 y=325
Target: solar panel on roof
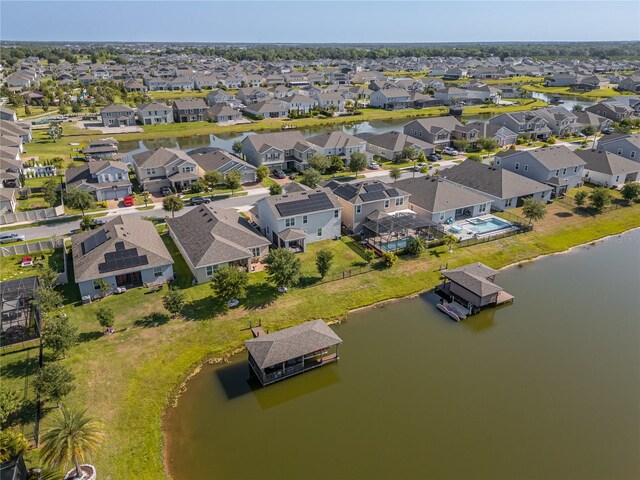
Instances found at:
x=314 y=202
x=374 y=187
x=392 y=192
x=119 y=246
x=370 y=197
x=122 y=263
x=94 y=241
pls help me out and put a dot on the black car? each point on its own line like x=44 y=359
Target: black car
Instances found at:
x=165 y=191
x=199 y=200
x=434 y=157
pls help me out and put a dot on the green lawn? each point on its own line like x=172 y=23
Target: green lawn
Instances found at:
x=167 y=96
x=11 y=269
x=592 y=95
x=128 y=378
x=521 y=104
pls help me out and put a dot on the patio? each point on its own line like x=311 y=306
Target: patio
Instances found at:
x=479 y=227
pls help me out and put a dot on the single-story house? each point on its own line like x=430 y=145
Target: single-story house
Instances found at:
x=608 y=169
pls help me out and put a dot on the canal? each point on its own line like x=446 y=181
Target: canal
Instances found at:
x=548 y=387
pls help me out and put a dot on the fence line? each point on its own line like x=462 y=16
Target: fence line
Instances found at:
x=31 y=215
x=348 y=273
x=28 y=248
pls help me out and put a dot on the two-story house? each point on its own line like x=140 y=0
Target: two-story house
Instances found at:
x=363 y=199
x=390 y=98
x=338 y=143
x=560 y=120
x=154 y=113
x=301 y=104
x=106 y=180
x=219 y=96
x=524 y=123
x=437 y=131
x=118 y=115
x=625 y=145
x=189 y=110
x=282 y=150
x=269 y=109
x=390 y=145
x=613 y=110
x=608 y=169
x=213 y=159
x=330 y=100
x=165 y=167
x=556 y=166
x=293 y=220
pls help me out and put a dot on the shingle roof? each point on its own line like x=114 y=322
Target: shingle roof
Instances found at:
x=474 y=277
x=116 y=108
x=335 y=139
x=396 y=141
x=280 y=140
x=159 y=157
x=293 y=342
x=211 y=159
x=551 y=158
x=438 y=195
x=310 y=201
x=189 y=103
x=210 y=235
x=366 y=191
x=607 y=162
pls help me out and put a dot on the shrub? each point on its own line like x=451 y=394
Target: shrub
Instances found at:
x=475 y=157
x=389 y=259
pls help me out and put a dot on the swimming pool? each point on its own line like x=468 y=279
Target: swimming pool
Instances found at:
x=488 y=225
x=395 y=245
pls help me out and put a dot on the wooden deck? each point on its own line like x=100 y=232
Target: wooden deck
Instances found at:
x=257 y=331
x=504 y=297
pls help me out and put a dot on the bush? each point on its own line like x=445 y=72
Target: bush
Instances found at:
x=389 y=259
x=475 y=157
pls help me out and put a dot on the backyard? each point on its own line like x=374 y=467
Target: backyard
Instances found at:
x=11 y=269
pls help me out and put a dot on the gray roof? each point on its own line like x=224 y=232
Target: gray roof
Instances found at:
x=132 y=232
x=495 y=181
x=274 y=348
x=475 y=278
x=153 y=106
x=212 y=159
x=335 y=139
x=304 y=202
x=552 y=158
x=189 y=103
x=607 y=162
x=438 y=195
x=280 y=140
x=435 y=124
x=76 y=176
x=116 y=108
x=365 y=191
x=160 y=157
x=395 y=141
x=210 y=235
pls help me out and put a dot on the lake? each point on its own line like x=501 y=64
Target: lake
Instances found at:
x=546 y=388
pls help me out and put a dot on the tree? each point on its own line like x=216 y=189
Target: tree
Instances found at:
x=262 y=172
x=368 y=256
x=172 y=204
x=27 y=110
x=54 y=382
x=319 y=162
x=422 y=158
x=50 y=191
x=62 y=109
x=79 y=199
x=577 y=108
x=533 y=209
x=103 y=286
x=416 y=246
x=198 y=186
x=48 y=277
x=488 y=144
x=237 y=147
x=580 y=198
x=229 y=283
x=275 y=189
x=54 y=131
x=588 y=130
x=475 y=157
x=324 y=260
x=600 y=198
x=173 y=301
x=408 y=153
x=395 y=173
x=460 y=144
x=283 y=267
x=337 y=163
x=450 y=240
x=10 y=403
x=145 y=197
x=105 y=317
x=213 y=178
x=59 y=335
x=311 y=177
x=233 y=179
x=631 y=191
x=357 y=162
x=13 y=443
x=71 y=438
x=389 y=259
x=48 y=300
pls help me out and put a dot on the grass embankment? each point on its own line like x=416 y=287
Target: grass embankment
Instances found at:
x=522 y=104
x=520 y=80
x=127 y=379
x=592 y=95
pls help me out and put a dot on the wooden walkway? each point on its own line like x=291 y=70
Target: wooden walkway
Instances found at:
x=257 y=331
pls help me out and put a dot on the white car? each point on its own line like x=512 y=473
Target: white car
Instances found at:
x=374 y=166
x=450 y=151
x=12 y=237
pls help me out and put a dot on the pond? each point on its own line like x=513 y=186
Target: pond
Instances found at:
x=548 y=387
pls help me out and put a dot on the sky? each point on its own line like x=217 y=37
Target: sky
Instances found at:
x=302 y=21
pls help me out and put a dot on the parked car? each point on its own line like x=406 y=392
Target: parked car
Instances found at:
x=374 y=166
x=434 y=157
x=128 y=201
x=450 y=151
x=11 y=237
x=279 y=174
x=165 y=191
x=97 y=222
x=198 y=200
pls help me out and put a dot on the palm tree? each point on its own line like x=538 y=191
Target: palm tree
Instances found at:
x=450 y=239
x=71 y=438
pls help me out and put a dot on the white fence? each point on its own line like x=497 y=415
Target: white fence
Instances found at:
x=31 y=215
x=35 y=247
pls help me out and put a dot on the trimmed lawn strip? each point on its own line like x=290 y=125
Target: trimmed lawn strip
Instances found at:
x=594 y=94
x=128 y=378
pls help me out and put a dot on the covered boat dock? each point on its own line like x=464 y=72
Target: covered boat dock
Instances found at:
x=276 y=356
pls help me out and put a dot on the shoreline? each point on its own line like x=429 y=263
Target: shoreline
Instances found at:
x=176 y=392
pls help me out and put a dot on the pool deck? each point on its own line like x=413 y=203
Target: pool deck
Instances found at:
x=467 y=234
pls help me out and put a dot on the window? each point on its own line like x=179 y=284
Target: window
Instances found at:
x=211 y=269
x=319 y=232
x=305 y=219
x=96 y=284
x=564 y=171
x=399 y=201
x=508 y=202
x=633 y=154
x=517 y=166
x=386 y=204
x=442 y=216
x=617 y=178
x=575 y=169
x=151 y=171
x=526 y=167
x=290 y=222
x=255 y=251
x=358 y=209
x=336 y=213
x=557 y=173
x=620 y=150
x=483 y=208
x=157 y=272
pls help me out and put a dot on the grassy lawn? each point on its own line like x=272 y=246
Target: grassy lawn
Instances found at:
x=176 y=94
x=594 y=94
x=523 y=79
x=128 y=378
x=521 y=104
x=11 y=269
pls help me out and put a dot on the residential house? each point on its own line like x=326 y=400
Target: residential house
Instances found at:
x=219 y=97
x=16 y=129
x=390 y=145
x=189 y=110
x=223 y=114
x=209 y=237
x=154 y=113
x=363 y=199
x=330 y=100
x=125 y=252
x=561 y=80
x=555 y=166
x=499 y=133
x=249 y=95
x=300 y=104
x=506 y=189
x=165 y=167
x=437 y=131
x=630 y=83
x=608 y=169
x=270 y=109
x=390 y=99
x=282 y=150
x=590 y=119
x=338 y=143
x=625 y=145
x=560 y=120
x=118 y=115
x=212 y=159
x=8 y=202
x=440 y=201
x=613 y=110
x=293 y=220
x=103 y=148
x=524 y=123
x=106 y=180
x=8 y=114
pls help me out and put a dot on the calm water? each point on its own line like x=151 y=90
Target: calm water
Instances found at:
x=547 y=388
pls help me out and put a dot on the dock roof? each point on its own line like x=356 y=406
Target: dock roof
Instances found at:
x=293 y=342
